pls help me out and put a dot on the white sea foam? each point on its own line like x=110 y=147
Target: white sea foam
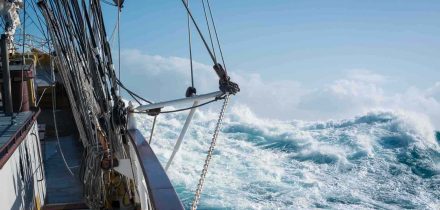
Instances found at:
x=383 y=159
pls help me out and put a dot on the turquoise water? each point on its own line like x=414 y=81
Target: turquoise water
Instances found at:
x=382 y=160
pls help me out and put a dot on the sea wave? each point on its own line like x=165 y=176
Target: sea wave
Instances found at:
x=383 y=159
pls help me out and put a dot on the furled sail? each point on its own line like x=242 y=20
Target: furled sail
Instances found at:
x=9 y=11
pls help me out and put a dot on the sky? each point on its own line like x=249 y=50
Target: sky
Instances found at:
x=303 y=40
x=294 y=59
x=306 y=60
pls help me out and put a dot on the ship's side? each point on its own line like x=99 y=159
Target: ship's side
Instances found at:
x=22 y=177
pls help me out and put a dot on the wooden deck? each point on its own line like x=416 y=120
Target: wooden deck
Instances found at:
x=62 y=187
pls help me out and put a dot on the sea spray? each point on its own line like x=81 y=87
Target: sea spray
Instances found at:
x=378 y=160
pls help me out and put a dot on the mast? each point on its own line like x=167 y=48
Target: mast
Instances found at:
x=7 y=97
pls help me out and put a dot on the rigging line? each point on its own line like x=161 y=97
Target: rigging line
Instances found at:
x=54 y=114
x=37 y=139
x=37 y=14
x=49 y=48
x=22 y=57
x=112 y=38
x=38 y=19
x=209 y=29
x=41 y=97
x=133 y=95
x=108 y=3
x=137 y=100
x=56 y=130
x=152 y=129
x=33 y=22
x=131 y=92
x=119 y=38
x=190 y=47
x=200 y=33
x=216 y=36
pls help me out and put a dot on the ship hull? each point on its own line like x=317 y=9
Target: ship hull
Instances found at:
x=22 y=172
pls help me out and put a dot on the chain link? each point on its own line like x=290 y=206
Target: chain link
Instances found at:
x=209 y=156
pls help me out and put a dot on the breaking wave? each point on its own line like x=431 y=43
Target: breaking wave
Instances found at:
x=387 y=160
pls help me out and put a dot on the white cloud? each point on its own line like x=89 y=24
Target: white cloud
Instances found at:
x=160 y=78
x=366 y=76
x=268 y=98
x=345 y=97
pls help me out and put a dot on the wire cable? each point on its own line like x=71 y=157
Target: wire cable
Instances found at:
x=190 y=47
x=200 y=33
x=109 y=3
x=56 y=130
x=22 y=56
x=132 y=93
x=209 y=29
x=216 y=36
x=119 y=39
x=41 y=97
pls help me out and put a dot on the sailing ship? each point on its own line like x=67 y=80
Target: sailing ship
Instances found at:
x=68 y=138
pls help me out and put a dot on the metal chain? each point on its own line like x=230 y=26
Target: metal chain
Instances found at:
x=209 y=156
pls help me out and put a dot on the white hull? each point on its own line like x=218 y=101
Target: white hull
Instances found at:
x=22 y=177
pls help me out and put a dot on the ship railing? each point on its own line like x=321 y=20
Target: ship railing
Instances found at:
x=156 y=185
x=153 y=185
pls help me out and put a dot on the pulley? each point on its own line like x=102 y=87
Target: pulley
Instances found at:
x=119 y=3
x=225 y=83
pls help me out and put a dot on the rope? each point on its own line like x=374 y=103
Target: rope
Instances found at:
x=133 y=94
x=41 y=97
x=54 y=103
x=209 y=30
x=109 y=3
x=216 y=35
x=190 y=47
x=209 y=156
x=56 y=130
x=200 y=32
x=112 y=36
x=22 y=56
x=38 y=18
x=86 y=69
x=119 y=39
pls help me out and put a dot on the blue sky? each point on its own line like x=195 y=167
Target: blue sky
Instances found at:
x=306 y=60
x=311 y=41
x=309 y=60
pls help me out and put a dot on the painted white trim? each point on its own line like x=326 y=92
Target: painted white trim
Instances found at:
x=179 y=101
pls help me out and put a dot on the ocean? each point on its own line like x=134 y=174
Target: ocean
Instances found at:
x=379 y=160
